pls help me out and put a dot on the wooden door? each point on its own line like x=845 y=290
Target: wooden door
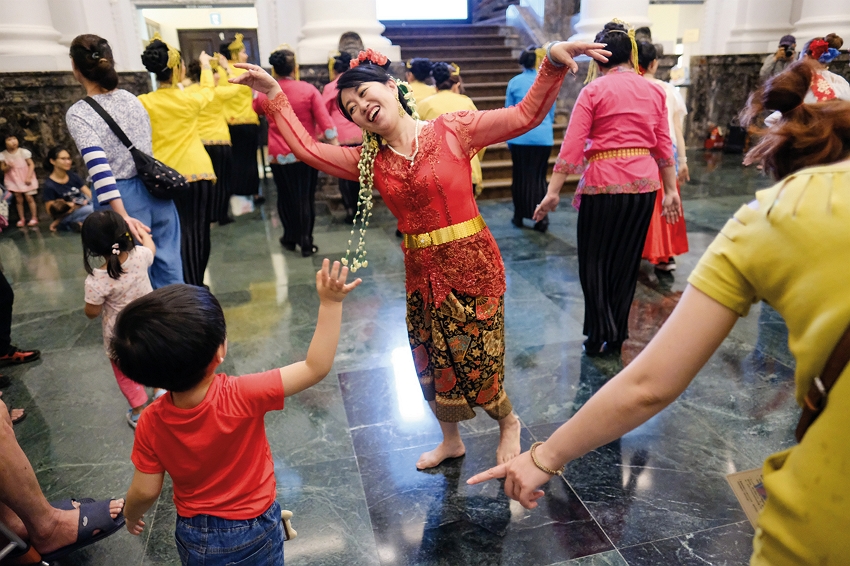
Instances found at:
x=193 y=41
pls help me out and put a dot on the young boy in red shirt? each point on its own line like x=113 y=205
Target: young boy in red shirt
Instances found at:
x=208 y=431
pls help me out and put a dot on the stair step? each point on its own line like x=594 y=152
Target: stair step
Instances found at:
x=406 y=41
x=504 y=75
x=501 y=187
x=485 y=89
x=501 y=151
x=454 y=51
x=447 y=30
x=498 y=64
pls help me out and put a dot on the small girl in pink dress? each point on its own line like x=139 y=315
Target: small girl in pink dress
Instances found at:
x=121 y=279
x=19 y=170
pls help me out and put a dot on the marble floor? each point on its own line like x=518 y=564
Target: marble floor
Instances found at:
x=345 y=449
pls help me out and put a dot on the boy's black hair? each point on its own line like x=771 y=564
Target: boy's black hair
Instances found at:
x=366 y=72
x=618 y=43
x=103 y=232
x=168 y=338
x=647 y=53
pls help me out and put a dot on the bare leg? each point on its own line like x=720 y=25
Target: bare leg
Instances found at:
x=33 y=209
x=19 y=203
x=451 y=446
x=509 y=429
x=22 y=504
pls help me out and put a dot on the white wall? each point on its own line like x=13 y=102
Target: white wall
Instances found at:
x=172 y=19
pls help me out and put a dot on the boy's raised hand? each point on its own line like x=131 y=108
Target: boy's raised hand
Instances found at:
x=330 y=282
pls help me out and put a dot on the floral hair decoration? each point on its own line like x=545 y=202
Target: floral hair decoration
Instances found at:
x=593 y=69
x=173 y=57
x=821 y=51
x=236 y=46
x=366 y=166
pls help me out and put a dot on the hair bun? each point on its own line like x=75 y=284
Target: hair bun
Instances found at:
x=614 y=26
x=786 y=91
x=155 y=56
x=441 y=72
x=834 y=41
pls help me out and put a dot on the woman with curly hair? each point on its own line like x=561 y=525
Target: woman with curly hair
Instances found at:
x=455 y=275
x=174 y=115
x=789 y=248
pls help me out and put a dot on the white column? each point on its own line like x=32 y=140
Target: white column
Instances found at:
x=28 y=40
x=820 y=18
x=595 y=14
x=759 y=25
x=277 y=23
x=326 y=20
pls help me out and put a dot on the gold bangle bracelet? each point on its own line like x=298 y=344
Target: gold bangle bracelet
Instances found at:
x=540 y=466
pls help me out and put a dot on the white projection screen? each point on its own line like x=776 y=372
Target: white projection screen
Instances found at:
x=398 y=10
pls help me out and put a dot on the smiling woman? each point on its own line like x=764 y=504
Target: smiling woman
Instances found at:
x=455 y=275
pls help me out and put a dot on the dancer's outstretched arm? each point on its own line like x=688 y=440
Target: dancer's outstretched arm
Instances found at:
x=477 y=130
x=651 y=382
x=334 y=160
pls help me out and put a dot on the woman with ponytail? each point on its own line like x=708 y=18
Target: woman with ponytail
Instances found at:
x=455 y=275
x=348 y=133
x=789 y=248
x=619 y=141
x=175 y=116
x=295 y=180
x=450 y=98
x=114 y=179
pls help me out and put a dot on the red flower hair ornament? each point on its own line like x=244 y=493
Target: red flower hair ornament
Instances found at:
x=371 y=56
x=818 y=47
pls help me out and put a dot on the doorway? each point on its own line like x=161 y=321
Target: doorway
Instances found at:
x=193 y=41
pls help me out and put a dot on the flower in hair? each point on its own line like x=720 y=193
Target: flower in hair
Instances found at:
x=371 y=56
x=818 y=47
x=115 y=250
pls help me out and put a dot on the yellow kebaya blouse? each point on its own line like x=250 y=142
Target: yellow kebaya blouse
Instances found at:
x=421 y=91
x=238 y=110
x=174 y=115
x=443 y=102
x=791 y=248
x=212 y=125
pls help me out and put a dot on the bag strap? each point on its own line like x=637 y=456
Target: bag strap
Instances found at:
x=116 y=129
x=815 y=400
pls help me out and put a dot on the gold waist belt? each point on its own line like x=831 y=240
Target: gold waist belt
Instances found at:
x=444 y=235
x=612 y=153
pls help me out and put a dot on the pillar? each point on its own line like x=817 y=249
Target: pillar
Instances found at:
x=325 y=21
x=759 y=24
x=594 y=14
x=28 y=40
x=820 y=18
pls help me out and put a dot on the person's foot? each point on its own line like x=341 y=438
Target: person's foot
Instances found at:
x=287 y=245
x=612 y=348
x=308 y=251
x=20 y=223
x=18 y=356
x=592 y=348
x=32 y=222
x=509 y=448
x=541 y=226
x=259 y=200
x=133 y=418
x=517 y=222
x=65 y=527
x=669 y=265
x=443 y=451
x=17 y=415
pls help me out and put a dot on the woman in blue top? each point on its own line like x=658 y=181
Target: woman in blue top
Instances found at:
x=529 y=152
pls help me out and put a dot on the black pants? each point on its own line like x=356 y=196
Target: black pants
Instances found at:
x=529 y=177
x=245 y=180
x=222 y=161
x=7 y=298
x=350 y=191
x=194 y=210
x=611 y=233
x=296 y=201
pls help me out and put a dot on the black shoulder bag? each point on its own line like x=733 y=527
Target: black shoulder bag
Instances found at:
x=161 y=181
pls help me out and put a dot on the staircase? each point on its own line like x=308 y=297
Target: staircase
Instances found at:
x=487 y=56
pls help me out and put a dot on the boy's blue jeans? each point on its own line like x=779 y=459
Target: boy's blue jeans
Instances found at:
x=205 y=540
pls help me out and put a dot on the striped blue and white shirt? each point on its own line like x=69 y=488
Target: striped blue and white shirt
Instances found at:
x=105 y=156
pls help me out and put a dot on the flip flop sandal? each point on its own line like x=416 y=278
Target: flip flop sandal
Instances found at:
x=20 y=419
x=94 y=516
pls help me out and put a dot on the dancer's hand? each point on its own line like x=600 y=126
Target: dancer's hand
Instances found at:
x=204 y=60
x=258 y=79
x=330 y=282
x=565 y=51
x=522 y=479
x=684 y=174
x=547 y=205
x=671 y=207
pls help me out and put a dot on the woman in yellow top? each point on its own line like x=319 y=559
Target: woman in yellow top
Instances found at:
x=789 y=248
x=449 y=99
x=177 y=143
x=215 y=134
x=244 y=128
x=418 y=71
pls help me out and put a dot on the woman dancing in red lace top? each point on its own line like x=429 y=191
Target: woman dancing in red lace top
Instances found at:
x=455 y=275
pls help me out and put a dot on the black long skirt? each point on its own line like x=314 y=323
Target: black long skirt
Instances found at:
x=194 y=208
x=350 y=192
x=222 y=161
x=529 y=177
x=245 y=180
x=611 y=233
x=296 y=202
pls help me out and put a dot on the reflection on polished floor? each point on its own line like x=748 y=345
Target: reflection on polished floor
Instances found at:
x=345 y=450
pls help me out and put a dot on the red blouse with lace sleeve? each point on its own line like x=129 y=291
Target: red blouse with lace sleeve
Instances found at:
x=435 y=190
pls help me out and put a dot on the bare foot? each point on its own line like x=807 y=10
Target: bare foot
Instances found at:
x=509 y=448
x=441 y=452
x=64 y=531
